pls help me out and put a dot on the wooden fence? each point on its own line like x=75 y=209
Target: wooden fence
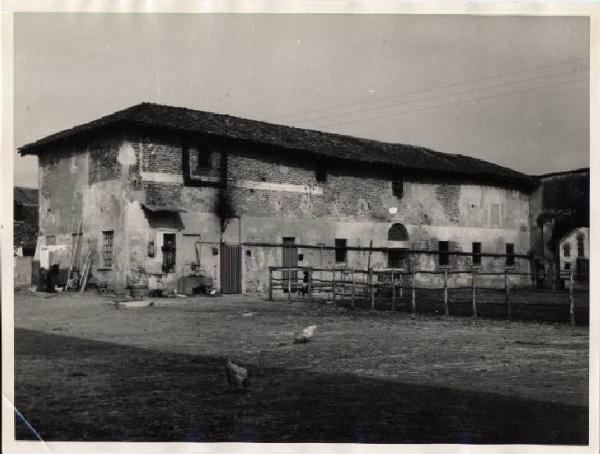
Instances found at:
x=396 y=289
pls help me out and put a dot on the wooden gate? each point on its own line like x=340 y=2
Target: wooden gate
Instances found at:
x=231 y=269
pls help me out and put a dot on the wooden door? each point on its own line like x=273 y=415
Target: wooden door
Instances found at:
x=231 y=269
x=289 y=259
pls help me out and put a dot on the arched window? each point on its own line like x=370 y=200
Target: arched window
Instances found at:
x=398 y=232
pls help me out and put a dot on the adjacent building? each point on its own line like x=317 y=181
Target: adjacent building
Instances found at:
x=166 y=192
x=560 y=208
x=25 y=213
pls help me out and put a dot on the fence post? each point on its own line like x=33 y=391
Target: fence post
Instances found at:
x=333 y=285
x=372 y=289
x=474 y=272
x=446 y=307
x=393 y=292
x=309 y=290
x=289 y=276
x=401 y=285
x=353 y=284
x=571 y=298
x=413 y=292
x=507 y=294
x=270 y=284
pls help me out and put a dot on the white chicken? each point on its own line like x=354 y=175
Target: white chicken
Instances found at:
x=304 y=335
x=237 y=375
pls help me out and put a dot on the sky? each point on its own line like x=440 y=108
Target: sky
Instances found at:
x=509 y=90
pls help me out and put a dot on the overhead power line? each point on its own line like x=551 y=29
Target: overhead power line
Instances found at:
x=448 y=95
x=414 y=92
x=397 y=114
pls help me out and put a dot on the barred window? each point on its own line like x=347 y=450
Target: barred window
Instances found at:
x=107 y=248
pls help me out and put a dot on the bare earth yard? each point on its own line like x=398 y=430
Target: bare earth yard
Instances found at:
x=85 y=370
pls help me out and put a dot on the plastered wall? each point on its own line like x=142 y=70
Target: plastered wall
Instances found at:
x=267 y=197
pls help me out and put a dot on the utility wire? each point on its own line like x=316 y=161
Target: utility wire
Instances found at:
x=433 y=98
x=533 y=68
x=397 y=114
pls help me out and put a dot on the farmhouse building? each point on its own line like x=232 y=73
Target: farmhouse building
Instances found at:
x=167 y=192
x=559 y=206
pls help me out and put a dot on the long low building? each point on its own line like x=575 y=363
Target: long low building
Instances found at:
x=165 y=192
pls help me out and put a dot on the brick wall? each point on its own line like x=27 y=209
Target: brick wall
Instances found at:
x=162 y=194
x=346 y=194
x=349 y=193
x=161 y=156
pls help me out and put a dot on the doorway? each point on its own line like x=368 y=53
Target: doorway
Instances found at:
x=289 y=260
x=231 y=269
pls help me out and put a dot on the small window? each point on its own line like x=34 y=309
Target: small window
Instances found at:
x=199 y=159
x=321 y=175
x=443 y=257
x=476 y=254
x=107 y=248
x=340 y=250
x=567 y=265
x=580 y=245
x=203 y=160
x=510 y=254
x=398 y=187
x=566 y=250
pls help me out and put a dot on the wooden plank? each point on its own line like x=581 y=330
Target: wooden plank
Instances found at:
x=507 y=294
x=393 y=292
x=289 y=282
x=88 y=264
x=571 y=298
x=333 y=285
x=474 y=290
x=353 y=287
x=270 y=284
x=372 y=289
x=73 y=252
x=446 y=307
x=413 y=299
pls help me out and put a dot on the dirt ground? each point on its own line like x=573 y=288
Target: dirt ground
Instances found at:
x=88 y=371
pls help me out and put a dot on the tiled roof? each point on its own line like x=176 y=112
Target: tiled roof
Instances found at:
x=336 y=146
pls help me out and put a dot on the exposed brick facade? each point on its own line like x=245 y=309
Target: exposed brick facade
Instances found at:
x=104 y=164
x=162 y=194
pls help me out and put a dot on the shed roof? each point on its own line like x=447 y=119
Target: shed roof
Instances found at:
x=336 y=146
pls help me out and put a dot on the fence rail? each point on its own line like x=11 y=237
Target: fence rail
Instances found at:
x=397 y=288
